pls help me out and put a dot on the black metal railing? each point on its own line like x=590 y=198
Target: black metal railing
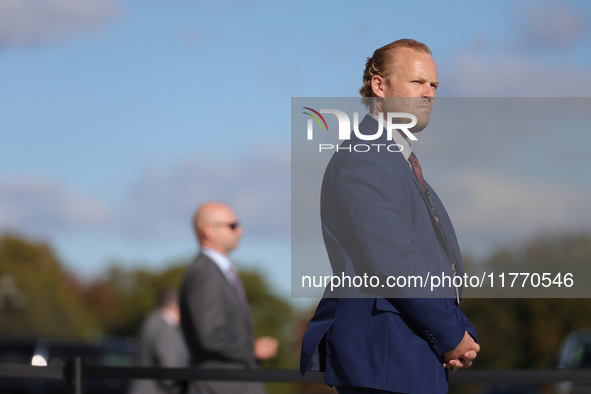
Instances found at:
x=75 y=372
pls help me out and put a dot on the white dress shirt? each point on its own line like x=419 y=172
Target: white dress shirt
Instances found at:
x=222 y=261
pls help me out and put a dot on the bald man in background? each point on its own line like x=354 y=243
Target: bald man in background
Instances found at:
x=215 y=317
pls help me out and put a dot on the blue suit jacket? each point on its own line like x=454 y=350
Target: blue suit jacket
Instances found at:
x=375 y=221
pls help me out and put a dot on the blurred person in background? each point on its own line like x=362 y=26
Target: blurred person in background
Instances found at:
x=162 y=345
x=215 y=317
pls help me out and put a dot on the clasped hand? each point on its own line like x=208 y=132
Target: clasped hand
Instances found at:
x=463 y=355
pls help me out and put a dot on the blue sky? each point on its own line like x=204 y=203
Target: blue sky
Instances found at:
x=119 y=117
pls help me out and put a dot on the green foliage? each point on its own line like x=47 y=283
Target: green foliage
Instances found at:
x=49 y=301
x=527 y=332
x=37 y=296
x=274 y=317
x=136 y=292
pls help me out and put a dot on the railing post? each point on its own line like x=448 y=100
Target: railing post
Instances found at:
x=75 y=375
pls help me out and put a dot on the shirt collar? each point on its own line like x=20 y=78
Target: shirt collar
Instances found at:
x=222 y=261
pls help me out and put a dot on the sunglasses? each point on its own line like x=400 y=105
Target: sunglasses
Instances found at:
x=233 y=226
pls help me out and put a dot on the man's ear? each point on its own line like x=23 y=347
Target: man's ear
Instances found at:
x=207 y=231
x=377 y=85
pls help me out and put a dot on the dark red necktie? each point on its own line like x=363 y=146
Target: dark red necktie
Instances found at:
x=414 y=162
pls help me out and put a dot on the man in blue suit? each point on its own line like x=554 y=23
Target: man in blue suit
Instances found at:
x=380 y=218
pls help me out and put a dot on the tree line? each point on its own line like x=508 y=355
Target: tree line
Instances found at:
x=40 y=297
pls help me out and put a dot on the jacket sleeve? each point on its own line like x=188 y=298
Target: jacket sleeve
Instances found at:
x=470 y=328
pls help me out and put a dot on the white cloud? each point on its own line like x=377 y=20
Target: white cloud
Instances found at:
x=552 y=25
x=40 y=21
x=161 y=203
x=41 y=206
x=473 y=76
x=257 y=186
x=519 y=66
x=499 y=209
x=193 y=36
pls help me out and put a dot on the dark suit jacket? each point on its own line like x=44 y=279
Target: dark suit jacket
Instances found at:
x=216 y=325
x=162 y=345
x=375 y=220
